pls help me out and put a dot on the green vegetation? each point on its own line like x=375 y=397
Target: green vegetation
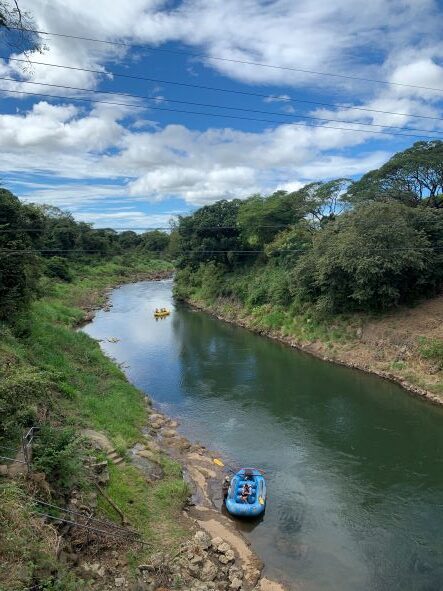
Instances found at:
x=330 y=248
x=58 y=378
x=432 y=349
x=42 y=240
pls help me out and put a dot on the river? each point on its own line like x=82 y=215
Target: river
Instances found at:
x=354 y=463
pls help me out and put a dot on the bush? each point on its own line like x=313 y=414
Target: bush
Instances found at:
x=23 y=391
x=58 y=267
x=432 y=349
x=375 y=257
x=59 y=454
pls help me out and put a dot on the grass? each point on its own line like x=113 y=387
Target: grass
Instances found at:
x=431 y=350
x=82 y=388
x=28 y=547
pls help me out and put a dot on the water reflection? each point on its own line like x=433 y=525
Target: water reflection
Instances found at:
x=354 y=464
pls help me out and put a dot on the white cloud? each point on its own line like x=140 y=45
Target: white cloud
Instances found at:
x=399 y=40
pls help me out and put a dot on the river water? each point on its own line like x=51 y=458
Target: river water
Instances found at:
x=354 y=464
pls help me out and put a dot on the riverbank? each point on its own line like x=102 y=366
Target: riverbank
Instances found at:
x=404 y=346
x=81 y=391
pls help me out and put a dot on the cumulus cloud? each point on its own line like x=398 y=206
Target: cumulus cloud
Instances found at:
x=398 y=41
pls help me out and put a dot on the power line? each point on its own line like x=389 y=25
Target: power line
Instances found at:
x=211 y=251
x=219 y=89
x=111 y=532
x=219 y=115
x=215 y=106
x=235 y=61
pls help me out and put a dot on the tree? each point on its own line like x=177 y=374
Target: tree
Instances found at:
x=19 y=269
x=377 y=256
x=17 y=28
x=261 y=218
x=210 y=234
x=414 y=177
x=325 y=200
x=154 y=241
x=129 y=240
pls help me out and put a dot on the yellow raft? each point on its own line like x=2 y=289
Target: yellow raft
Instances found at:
x=161 y=313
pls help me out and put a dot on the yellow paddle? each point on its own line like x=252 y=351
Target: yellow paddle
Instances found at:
x=218 y=462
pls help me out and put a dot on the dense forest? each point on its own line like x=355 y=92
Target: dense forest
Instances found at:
x=38 y=241
x=330 y=247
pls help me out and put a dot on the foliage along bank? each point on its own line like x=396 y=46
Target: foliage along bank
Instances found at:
x=53 y=270
x=316 y=264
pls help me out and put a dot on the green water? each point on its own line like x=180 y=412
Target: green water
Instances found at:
x=354 y=464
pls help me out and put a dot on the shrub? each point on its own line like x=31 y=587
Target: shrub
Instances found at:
x=432 y=349
x=58 y=452
x=58 y=267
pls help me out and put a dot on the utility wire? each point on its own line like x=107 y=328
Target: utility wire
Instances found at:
x=95 y=519
x=234 y=61
x=215 y=106
x=209 y=251
x=95 y=529
x=217 y=89
x=219 y=115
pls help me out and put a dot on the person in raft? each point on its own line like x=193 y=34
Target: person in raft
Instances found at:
x=246 y=491
x=225 y=486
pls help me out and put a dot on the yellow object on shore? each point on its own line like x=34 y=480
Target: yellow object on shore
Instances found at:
x=161 y=313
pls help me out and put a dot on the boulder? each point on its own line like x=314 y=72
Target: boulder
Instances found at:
x=209 y=571
x=203 y=540
x=224 y=547
x=216 y=542
x=235 y=584
x=169 y=433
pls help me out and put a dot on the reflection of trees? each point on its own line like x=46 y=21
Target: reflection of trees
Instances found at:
x=368 y=427
x=213 y=360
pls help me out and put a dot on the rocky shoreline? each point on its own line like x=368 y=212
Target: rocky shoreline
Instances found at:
x=218 y=557
x=246 y=322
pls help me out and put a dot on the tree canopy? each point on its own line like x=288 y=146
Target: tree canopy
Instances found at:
x=414 y=177
x=334 y=245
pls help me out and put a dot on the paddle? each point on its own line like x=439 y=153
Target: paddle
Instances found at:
x=219 y=462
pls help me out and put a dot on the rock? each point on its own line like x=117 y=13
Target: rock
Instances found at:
x=223 y=558
x=235 y=584
x=209 y=571
x=203 y=540
x=169 y=433
x=235 y=573
x=194 y=569
x=138 y=447
x=119 y=581
x=149 y=455
x=223 y=548
x=157 y=418
x=173 y=424
x=3 y=470
x=196 y=559
x=230 y=555
x=216 y=542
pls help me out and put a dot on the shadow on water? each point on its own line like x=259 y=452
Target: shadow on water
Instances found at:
x=355 y=465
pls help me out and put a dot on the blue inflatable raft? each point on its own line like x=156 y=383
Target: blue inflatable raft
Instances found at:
x=253 y=504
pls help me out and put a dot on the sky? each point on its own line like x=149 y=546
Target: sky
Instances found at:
x=139 y=163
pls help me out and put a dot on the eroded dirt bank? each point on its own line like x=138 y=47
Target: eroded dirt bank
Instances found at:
x=388 y=346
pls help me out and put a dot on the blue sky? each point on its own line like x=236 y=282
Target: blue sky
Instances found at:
x=134 y=166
